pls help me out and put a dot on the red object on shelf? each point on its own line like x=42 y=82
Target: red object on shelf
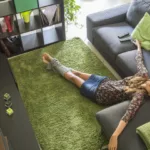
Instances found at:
x=3 y=26
x=8 y=23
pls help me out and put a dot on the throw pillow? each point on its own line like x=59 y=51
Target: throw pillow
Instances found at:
x=137 y=10
x=142 y=32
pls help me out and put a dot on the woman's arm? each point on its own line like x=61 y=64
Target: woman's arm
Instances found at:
x=136 y=102
x=139 y=59
x=120 y=128
x=113 y=142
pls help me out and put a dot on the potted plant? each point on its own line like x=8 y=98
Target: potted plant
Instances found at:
x=71 y=10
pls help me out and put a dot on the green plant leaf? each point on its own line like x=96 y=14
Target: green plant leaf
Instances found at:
x=71 y=10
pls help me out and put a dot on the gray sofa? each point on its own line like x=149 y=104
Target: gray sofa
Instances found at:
x=103 y=29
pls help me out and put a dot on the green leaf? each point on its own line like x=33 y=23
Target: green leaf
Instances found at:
x=71 y=9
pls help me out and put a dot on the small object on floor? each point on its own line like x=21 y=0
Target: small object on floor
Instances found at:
x=7 y=96
x=9 y=111
x=8 y=104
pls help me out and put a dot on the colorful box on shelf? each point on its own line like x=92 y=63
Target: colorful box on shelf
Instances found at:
x=25 y=5
x=26 y=16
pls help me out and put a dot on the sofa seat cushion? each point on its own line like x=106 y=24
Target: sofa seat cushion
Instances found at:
x=106 y=39
x=137 y=10
x=110 y=117
x=127 y=63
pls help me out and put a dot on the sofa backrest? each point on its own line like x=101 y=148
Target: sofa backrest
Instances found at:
x=137 y=10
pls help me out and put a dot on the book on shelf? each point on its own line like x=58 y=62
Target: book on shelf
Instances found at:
x=7 y=24
x=50 y=12
x=3 y=25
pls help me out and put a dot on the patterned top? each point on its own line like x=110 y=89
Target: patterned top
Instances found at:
x=111 y=92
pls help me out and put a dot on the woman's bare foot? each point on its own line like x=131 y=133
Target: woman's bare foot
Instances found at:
x=46 y=58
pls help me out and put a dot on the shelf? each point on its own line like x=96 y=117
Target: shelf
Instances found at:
x=36 y=33
x=43 y=3
x=32 y=40
x=35 y=23
x=52 y=14
x=6 y=8
x=53 y=34
x=25 y=5
x=9 y=34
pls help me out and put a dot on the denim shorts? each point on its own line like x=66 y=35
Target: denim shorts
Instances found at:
x=89 y=87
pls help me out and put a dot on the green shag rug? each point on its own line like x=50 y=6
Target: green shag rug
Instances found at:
x=62 y=119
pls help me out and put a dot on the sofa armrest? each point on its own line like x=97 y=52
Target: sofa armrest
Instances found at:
x=109 y=117
x=110 y=16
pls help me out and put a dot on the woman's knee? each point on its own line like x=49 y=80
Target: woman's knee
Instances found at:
x=69 y=75
x=74 y=79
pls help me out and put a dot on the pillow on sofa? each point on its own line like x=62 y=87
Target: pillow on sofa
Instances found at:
x=144 y=132
x=142 y=32
x=137 y=10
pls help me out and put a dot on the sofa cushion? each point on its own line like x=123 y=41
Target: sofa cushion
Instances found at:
x=142 y=32
x=108 y=120
x=127 y=63
x=128 y=140
x=137 y=10
x=108 y=16
x=106 y=39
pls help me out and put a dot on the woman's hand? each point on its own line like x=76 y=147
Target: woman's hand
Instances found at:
x=137 y=43
x=130 y=90
x=113 y=142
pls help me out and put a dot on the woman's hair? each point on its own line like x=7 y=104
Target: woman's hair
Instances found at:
x=134 y=84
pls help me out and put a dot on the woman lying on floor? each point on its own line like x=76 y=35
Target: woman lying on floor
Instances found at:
x=105 y=91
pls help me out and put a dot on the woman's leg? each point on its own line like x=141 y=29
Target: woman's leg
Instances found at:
x=84 y=76
x=68 y=75
x=74 y=79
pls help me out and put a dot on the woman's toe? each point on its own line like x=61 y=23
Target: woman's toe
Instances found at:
x=44 y=60
x=47 y=57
